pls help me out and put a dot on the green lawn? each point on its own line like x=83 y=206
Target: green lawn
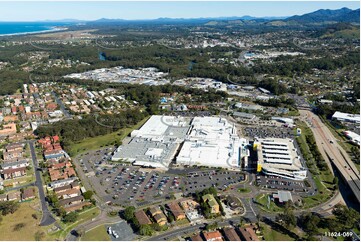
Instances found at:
x=244 y=190
x=182 y=222
x=30 y=217
x=103 y=140
x=270 y=234
x=96 y=234
x=262 y=199
x=83 y=216
x=322 y=196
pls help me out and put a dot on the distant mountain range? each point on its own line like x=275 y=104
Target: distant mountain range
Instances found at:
x=170 y=20
x=318 y=17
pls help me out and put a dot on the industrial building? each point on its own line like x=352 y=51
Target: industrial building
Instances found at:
x=202 y=141
x=346 y=117
x=353 y=137
x=278 y=157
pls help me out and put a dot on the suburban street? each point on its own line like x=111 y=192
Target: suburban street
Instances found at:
x=61 y=105
x=334 y=152
x=47 y=217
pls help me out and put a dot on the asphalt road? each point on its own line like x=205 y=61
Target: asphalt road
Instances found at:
x=61 y=105
x=47 y=217
x=334 y=152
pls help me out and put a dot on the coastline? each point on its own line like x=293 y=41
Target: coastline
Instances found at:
x=53 y=29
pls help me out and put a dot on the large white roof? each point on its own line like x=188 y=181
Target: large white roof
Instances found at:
x=347 y=116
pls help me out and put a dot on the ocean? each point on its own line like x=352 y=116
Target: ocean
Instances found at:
x=16 y=28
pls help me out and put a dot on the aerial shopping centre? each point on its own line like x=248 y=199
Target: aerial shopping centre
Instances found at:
x=209 y=142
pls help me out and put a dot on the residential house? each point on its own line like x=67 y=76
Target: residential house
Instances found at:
x=3 y=197
x=71 y=201
x=13 y=173
x=8 y=129
x=73 y=185
x=188 y=204
x=158 y=216
x=231 y=234
x=73 y=192
x=213 y=236
x=11 y=118
x=12 y=155
x=54 y=154
x=248 y=233
x=14 y=196
x=14 y=165
x=196 y=237
x=28 y=194
x=142 y=217
x=212 y=202
x=76 y=207
x=61 y=183
x=176 y=210
x=61 y=171
x=14 y=147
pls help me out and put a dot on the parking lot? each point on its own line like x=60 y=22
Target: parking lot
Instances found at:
x=268 y=132
x=135 y=185
x=278 y=183
x=121 y=230
x=132 y=185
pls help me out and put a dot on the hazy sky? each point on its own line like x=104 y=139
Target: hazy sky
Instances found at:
x=28 y=11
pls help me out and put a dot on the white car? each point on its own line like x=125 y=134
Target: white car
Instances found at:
x=115 y=235
x=109 y=230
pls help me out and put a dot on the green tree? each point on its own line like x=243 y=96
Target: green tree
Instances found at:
x=348 y=217
x=7 y=207
x=241 y=221
x=129 y=213
x=88 y=194
x=309 y=223
x=212 y=226
x=146 y=230
x=287 y=218
x=70 y=217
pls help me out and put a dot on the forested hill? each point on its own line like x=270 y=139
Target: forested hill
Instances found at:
x=327 y=15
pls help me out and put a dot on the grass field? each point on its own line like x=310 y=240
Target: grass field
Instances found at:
x=23 y=215
x=270 y=234
x=103 y=140
x=322 y=196
x=83 y=216
x=263 y=204
x=97 y=234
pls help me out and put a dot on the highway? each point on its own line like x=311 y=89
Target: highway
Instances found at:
x=333 y=151
x=47 y=218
